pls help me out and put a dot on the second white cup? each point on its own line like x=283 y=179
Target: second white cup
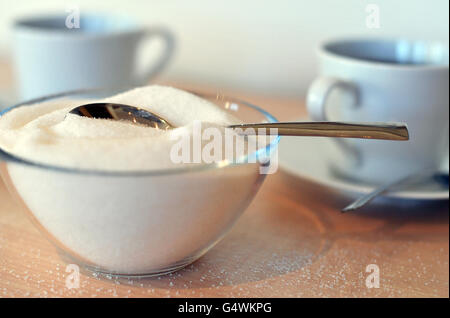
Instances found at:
x=385 y=81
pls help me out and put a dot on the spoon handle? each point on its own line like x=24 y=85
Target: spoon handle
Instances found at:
x=385 y=131
x=384 y=188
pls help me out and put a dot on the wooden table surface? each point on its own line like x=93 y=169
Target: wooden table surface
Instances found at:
x=291 y=242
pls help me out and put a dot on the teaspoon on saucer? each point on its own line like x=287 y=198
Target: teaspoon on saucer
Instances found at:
x=385 y=131
x=441 y=176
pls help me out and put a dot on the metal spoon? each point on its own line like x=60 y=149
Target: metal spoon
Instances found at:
x=394 y=131
x=441 y=177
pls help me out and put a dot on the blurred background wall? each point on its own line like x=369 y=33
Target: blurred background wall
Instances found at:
x=263 y=46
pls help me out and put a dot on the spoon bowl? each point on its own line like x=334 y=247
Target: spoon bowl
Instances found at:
x=122 y=112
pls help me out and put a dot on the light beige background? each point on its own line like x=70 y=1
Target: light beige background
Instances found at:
x=265 y=46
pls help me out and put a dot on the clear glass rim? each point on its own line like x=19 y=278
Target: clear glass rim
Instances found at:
x=8 y=157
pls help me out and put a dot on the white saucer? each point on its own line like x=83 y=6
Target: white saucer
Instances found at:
x=305 y=158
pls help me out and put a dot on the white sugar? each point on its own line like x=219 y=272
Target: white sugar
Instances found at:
x=46 y=133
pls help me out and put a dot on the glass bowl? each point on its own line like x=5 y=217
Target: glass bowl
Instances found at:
x=139 y=223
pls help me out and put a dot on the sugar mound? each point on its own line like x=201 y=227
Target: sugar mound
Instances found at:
x=46 y=133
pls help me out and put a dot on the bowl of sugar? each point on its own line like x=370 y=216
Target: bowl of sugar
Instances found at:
x=131 y=200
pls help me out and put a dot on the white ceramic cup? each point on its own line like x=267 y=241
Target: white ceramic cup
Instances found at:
x=50 y=58
x=385 y=81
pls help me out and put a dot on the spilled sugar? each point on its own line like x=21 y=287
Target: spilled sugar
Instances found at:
x=334 y=276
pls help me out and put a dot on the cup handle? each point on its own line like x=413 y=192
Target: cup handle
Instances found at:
x=316 y=102
x=164 y=58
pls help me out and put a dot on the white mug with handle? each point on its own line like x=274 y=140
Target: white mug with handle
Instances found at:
x=384 y=81
x=51 y=56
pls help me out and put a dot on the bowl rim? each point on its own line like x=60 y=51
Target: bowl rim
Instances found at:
x=10 y=158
